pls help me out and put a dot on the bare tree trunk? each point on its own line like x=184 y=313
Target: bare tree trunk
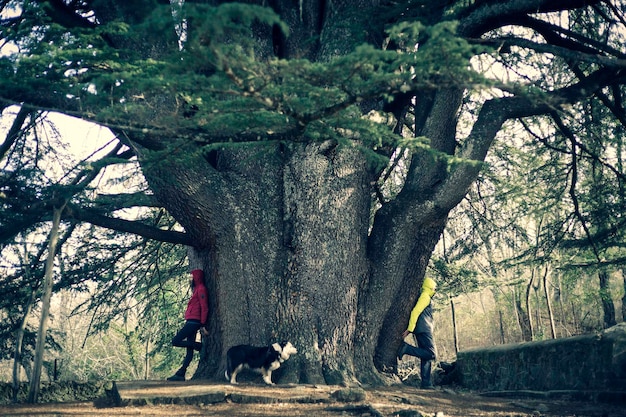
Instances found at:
x=523 y=318
x=531 y=329
x=516 y=308
x=608 y=307
x=456 y=335
x=624 y=297
x=575 y=318
x=19 y=340
x=33 y=391
x=538 y=328
x=559 y=298
x=549 y=303
x=146 y=362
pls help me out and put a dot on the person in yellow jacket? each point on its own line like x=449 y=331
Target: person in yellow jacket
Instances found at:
x=421 y=325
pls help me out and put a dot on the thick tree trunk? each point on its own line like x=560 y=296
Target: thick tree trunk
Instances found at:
x=287 y=256
x=393 y=289
x=282 y=234
x=327 y=209
x=284 y=251
x=283 y=229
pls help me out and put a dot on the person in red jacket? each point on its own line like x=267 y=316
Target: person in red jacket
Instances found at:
x=195 y=319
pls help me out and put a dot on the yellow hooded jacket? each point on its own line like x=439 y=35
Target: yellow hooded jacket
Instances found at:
x=428 y=290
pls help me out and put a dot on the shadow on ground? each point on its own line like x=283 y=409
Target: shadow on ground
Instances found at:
x=198 y=398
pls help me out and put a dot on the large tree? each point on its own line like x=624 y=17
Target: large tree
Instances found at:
x=269 y=130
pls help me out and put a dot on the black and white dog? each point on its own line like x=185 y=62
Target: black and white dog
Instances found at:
x=261 y=359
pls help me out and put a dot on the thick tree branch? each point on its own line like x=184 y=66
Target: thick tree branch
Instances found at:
x=128 y=226
x=450 y=190
x=40 y=212
x=66 y=15
x=14 y=132
x=34 y=209
x=528 y=105
x=486 y=16
x=495 y=112
x=565 y=38
x=111 y=202
x=565 y=53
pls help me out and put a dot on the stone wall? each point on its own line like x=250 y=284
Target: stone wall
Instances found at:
x=64 y=391
x=595 y=362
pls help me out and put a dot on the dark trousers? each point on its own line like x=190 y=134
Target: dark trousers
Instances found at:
x=186 y=337
x=425 y=351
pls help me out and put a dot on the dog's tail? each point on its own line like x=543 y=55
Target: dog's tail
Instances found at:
x=229 y=366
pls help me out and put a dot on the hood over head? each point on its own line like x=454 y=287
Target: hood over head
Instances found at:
x=429 y=285
x=198 y=277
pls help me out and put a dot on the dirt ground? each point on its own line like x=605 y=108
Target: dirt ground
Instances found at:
x=155 y=398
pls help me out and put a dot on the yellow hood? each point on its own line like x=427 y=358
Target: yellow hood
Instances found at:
x=429 y=285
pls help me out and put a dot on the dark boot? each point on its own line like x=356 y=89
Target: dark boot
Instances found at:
x=402 y=351
x=178 y=376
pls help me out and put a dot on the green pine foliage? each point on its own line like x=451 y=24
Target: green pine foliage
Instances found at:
x=218 y=90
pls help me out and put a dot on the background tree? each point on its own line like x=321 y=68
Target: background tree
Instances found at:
x=266 y=133
x=572 y=188
x=47 y=284
x=112 y=272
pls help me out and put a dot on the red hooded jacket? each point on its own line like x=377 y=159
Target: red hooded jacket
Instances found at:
x=198 y=305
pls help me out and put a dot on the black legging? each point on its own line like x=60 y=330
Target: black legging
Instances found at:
x=425 y=350
x=186 y=337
